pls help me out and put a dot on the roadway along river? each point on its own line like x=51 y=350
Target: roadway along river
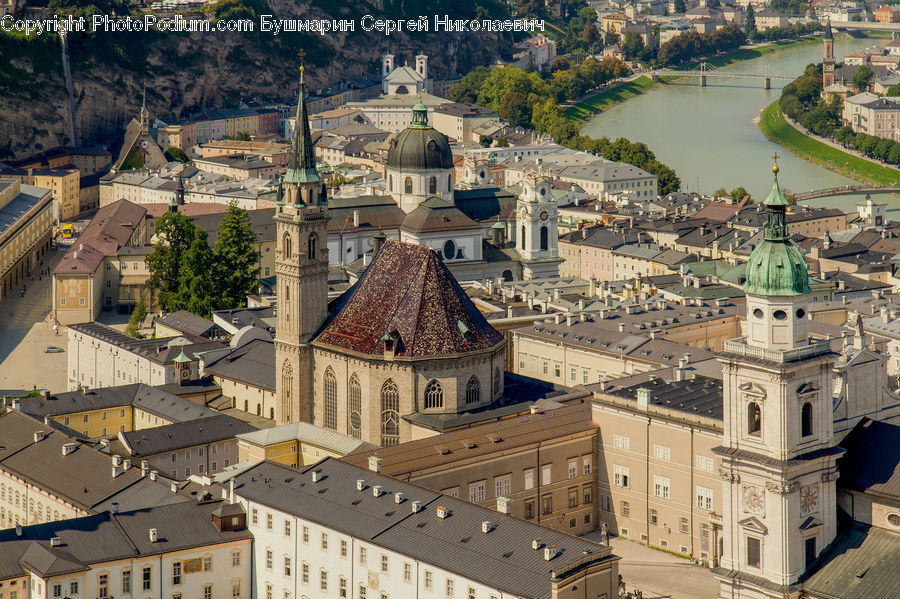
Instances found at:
x=710 y=135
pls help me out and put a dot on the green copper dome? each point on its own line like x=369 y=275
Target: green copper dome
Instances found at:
x=776 y=267
x=301 y=167
x=420 y=147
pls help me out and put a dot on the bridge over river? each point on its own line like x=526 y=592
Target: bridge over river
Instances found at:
x=847 y=190
x=705 y=70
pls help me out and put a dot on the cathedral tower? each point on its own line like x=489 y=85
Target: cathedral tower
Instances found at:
x=828 y=61
x=778 y=449
x=301 y=268
x=536 y=229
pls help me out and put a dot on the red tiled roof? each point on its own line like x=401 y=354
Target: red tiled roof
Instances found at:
x=408 y=293
x=110 y=229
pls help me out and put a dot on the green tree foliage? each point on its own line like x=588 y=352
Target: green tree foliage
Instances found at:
x=197 y=290
x=892 y=91
x=590 y=35
x=178 y=154
x=785 y=33
x=790 y=7
x=691 y=45
x=679 y=6
x=133 y=161
x=750 y=21
x=862 y=77
x=174 y=233
x=485 y=141
x=467 y=89
x=133 y=328
x=236 y=258
x=575 y=35
x=633 y=45
x=240 y=136
x=739 y=193
x=502 y=143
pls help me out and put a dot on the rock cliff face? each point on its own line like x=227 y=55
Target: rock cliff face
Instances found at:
x=187 y=72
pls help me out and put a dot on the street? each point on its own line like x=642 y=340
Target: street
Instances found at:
x=24 y=332
x=660 y=575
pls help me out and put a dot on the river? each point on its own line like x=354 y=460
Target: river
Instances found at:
x=710 y=135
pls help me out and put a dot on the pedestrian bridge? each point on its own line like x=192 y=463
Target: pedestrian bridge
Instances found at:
x=704 y=70
x=848 y=190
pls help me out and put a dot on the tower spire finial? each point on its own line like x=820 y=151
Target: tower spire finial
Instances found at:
x=775 y=168
x=302 y=55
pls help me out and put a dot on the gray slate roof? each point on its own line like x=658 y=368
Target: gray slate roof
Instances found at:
x=150 y=441
x=252 y=364
x=502 y=558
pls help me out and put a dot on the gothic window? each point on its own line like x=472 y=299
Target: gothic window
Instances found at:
x=330 y=395
x=497 y=382
x=286 y=246
x=311 y=249
x=754 y=419
x=390 y=414
x=287 y=384
x=545 y=241
x=407 y=185
x=432 y=185
x=473 y=390
x=806 y=420
x=434 y=395
x=355 y=408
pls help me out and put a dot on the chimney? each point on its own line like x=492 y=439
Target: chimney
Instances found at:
x=441 y=512
x=39 y=436
x=360 y=484
x=416 y=507
x=154 y=475
x=17 y=405
x=486 y=526
x=356 y=218
x=536 y=543
x=145 y=467
x=621 y=327
x=47 y=420
x=126 y=465
x=46 y=394
x=398 y=497
x=503 y=505
x=117 y=460
x=154 y=535
x=549 y=553
x=316 y=475
x=509 y=312
x=643 y=398
x=885 y=316
x=376 y=491
x=557 y=318
x=55 y=541
x=115 y=471
x=173 y=487
x=570 y=318
x=68 y=448
x=114 y=508
x=374 y=463
x=231 y=490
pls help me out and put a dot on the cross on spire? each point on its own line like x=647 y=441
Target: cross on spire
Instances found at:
x=302 y=55
x=775 y=168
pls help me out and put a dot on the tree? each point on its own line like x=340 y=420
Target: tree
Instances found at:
x=633 y=44
x=176 y=153
x=862 y=77
x=720 y=193
x=750 y=21
x=236 y=257
x=134 y=160
x=502 y=142
x=892 y=91
x=174 y=234
x=679 y=6
x=134 y=323
x=590 y=35
x=197 y=290
x=485 y=141
x=739 y=193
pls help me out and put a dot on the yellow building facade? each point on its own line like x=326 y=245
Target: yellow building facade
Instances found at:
x=26 y=214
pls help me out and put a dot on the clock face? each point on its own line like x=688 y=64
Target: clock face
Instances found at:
x=754 y=500
x=809 y=498
x=185 y=373
x=544 y=215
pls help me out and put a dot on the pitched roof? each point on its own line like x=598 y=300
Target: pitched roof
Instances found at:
x=110 y=229
x=150 y=441
x=502 y=559
x=186 y=322
x=872 y=461
x=435 y=214
x=252 y=364
x=481 y=440
x=409 y=293
x=307 y=433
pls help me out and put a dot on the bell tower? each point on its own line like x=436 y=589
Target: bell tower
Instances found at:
x=778 y=449
x=828 y=60
x=537 y=236
x=301 y=269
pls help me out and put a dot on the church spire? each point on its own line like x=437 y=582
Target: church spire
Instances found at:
x=145 y=116
x=301 y=167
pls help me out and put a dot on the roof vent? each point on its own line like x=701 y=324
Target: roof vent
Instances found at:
x=55 y=541
x=360 y=484
x=486 y=526
x=316 y=475
x=374 y=463
x=441 y=511
x=536 y=543
x=503 y=505
x=416 y=507
x=549 y=553
x=376 y=491
x=154 y=475
x=398 y=497
x=154 y=535
x=39 y=436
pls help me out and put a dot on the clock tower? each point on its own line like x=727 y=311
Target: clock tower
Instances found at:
x=538 y=238
x=301 y=270
x=778 y=450
x=828 y=60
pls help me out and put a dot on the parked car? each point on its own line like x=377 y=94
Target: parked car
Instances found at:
x=52 y=349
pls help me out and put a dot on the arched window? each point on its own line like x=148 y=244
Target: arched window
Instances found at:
x=806 y=420
x=522 y=238
x=286 y=246
x=754 y=419
x=497 y=381
x=473 y=390
x=246 y=405
x=313 y=243
x=434 y=395
x=271 y=413
x=432 y=185
x=354 y=411
x=407 y=185
x=287 y=384
x=329 y=393
x=390 y=414
x=259 y=409
x=545 y=241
